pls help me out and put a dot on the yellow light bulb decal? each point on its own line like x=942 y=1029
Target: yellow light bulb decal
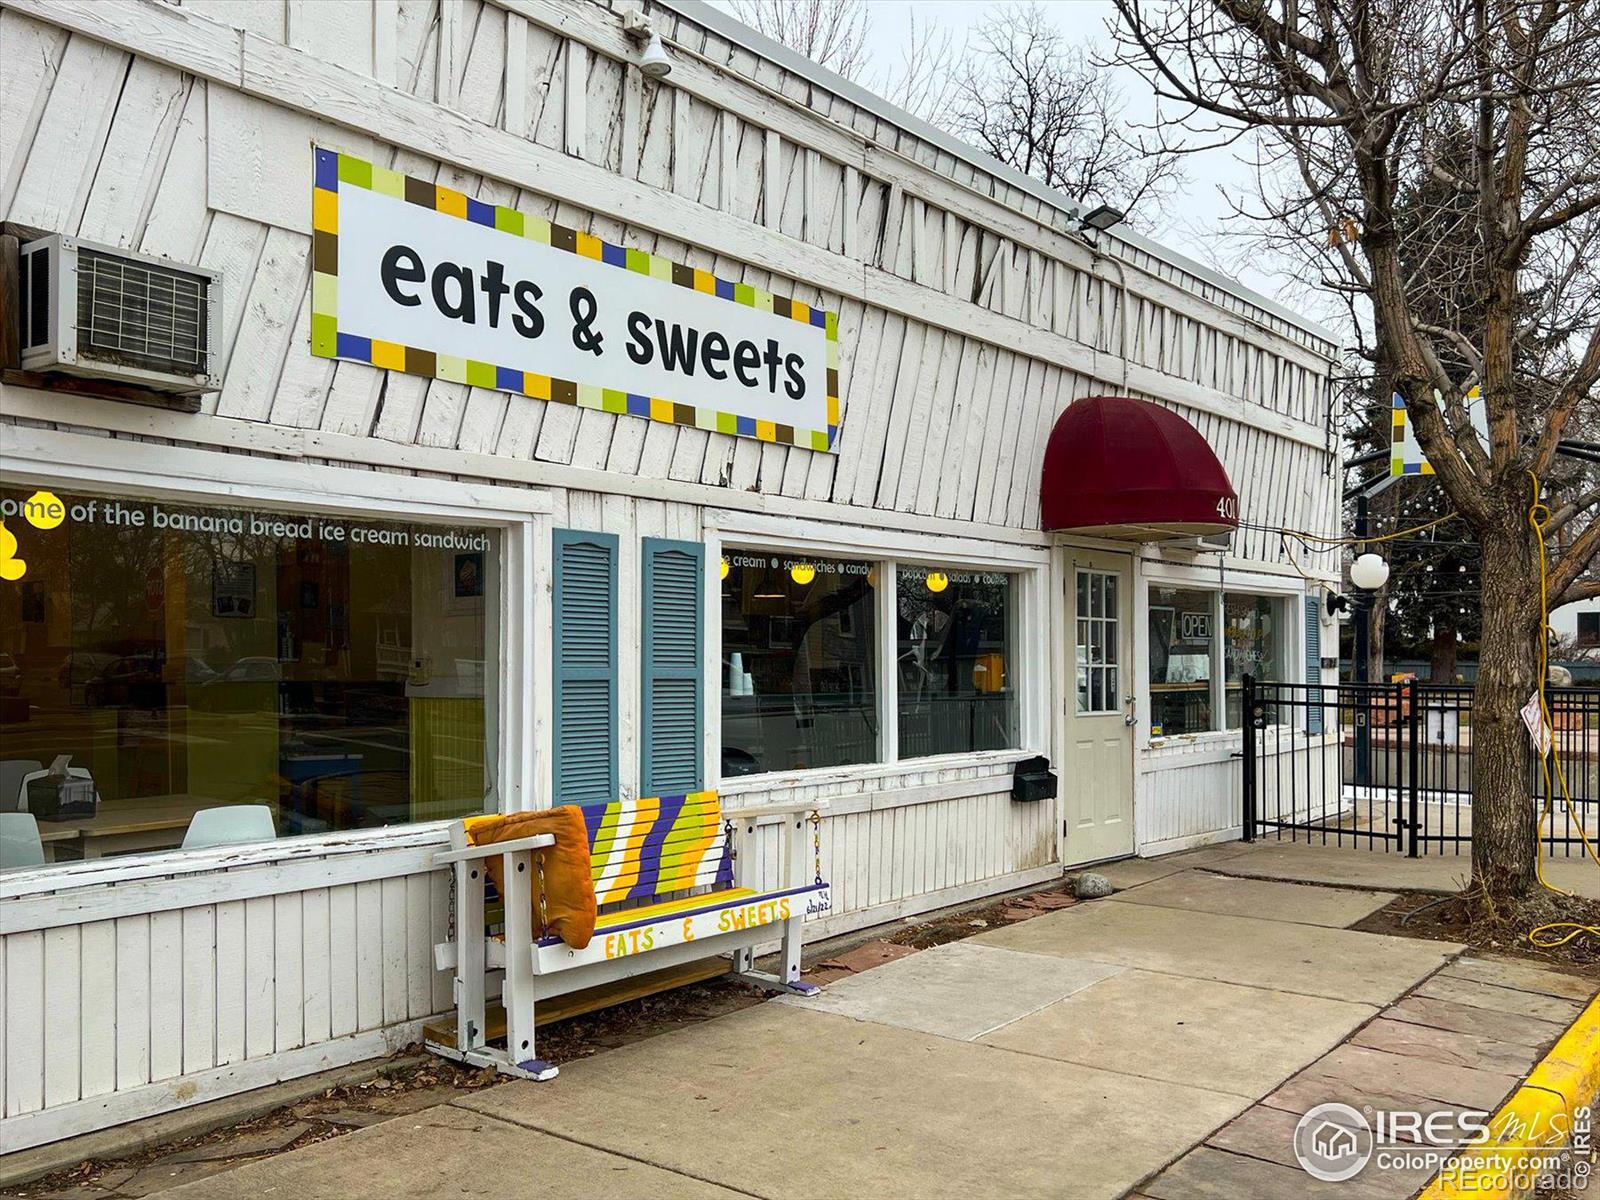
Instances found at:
x=44 y=510
x=724 y=568
x=937 y=581
x=11 y=567
x=802 y=573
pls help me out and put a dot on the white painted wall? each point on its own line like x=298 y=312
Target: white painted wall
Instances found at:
x=1564 y=620
x=969 y=318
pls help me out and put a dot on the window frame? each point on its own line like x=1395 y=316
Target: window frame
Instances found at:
x=1110 y=624
x=727 y=530
x=1284 y=594
x=197 y=476
x=1013 y=659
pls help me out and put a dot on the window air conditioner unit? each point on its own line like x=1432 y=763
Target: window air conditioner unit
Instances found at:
x=106 y=313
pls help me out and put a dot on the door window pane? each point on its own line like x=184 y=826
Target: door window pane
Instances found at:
x=190 y=657
x=1181 y=641
x=954 y=661
x=1099 y=631
x=1254 y=645
x=799 y=685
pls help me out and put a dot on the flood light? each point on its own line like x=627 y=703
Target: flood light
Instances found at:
x=1101 y=218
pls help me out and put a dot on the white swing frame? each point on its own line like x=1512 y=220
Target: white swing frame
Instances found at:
x=532 y=973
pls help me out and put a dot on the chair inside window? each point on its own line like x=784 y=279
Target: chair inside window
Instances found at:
x=230 y=825
x=12 y=772
x=20 y=845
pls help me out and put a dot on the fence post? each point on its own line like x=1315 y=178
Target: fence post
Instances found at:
x=1248 y=789
x=1413 y=771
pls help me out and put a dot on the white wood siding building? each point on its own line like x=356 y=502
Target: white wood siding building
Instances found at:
x=970 y=315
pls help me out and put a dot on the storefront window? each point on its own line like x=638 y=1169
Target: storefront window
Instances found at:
x=1253 y=645
x=1182 y=641
x=954 y=661
x=186 y=657
x=799 y=684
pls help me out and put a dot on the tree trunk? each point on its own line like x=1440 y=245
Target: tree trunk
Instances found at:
x=1504 y=840
x=1442 y=659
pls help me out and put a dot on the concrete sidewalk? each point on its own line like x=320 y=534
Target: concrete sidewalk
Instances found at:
x=1077 y=1053
x=1342 y=866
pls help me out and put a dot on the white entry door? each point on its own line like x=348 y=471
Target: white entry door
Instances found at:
x=1097 y=774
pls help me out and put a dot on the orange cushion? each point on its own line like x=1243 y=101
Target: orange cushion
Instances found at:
x=568 y=886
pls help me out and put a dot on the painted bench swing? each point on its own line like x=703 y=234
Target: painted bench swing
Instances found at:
x=667 y=873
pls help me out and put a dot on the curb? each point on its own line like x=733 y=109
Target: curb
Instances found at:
x=1566 y=1080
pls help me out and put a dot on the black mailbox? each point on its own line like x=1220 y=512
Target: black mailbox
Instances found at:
x=1033 y=780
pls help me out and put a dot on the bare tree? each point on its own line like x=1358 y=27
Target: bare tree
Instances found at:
x=923 y=82
x=1033 y=98
x=1498 y=101
x=1019 y=89
x=832 y=33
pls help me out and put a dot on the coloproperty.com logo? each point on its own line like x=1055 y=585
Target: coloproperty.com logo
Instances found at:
x=1333 y=1142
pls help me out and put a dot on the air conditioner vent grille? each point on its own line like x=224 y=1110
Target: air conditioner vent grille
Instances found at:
x=146 y=316
x=38 y=295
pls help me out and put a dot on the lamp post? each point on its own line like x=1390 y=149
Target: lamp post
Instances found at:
x=1368 y=573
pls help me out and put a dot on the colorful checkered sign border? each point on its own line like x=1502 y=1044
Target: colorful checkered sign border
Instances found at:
x=334 y=171
x=1406 y=457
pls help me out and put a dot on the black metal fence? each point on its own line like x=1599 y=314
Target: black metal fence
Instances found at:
x=1388 y=766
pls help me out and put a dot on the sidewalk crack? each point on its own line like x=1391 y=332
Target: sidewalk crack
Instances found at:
x=615 y=1153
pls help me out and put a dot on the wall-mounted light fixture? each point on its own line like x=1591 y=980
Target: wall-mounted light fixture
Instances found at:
x=1100 y=218
x=655 y=62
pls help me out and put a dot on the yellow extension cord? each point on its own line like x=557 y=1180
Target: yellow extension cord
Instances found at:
x=1538 y=518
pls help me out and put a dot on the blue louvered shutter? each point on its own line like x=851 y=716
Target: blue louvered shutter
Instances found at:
x=585 y=661
x=1313 y=664
x=672 y=668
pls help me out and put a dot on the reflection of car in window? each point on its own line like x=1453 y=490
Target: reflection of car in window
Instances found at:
x=251 y=670
x=10 y=676
x=80 y=666
x=132 y=681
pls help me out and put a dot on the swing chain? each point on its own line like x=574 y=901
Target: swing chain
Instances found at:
x=816 y=843
x=450 y=915
x=544 y=913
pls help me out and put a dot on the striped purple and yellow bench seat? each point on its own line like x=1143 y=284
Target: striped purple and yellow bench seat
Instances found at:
x=657 y=848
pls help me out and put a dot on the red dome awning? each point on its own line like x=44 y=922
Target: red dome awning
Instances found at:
x=1128 y=469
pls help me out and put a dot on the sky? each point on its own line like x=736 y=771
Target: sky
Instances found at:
x=1196 y=225
x=1191 y=227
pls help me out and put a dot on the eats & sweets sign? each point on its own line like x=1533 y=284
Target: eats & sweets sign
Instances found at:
x=414 y=277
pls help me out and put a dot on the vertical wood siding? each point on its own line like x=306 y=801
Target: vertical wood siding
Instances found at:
x=968 y=321
x=160 y=997
x=1190 y=790
x=118 y=148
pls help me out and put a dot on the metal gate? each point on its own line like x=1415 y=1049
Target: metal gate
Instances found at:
x=1388 y=766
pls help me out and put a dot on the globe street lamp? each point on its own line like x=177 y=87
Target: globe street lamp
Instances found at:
x=1368 y=573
